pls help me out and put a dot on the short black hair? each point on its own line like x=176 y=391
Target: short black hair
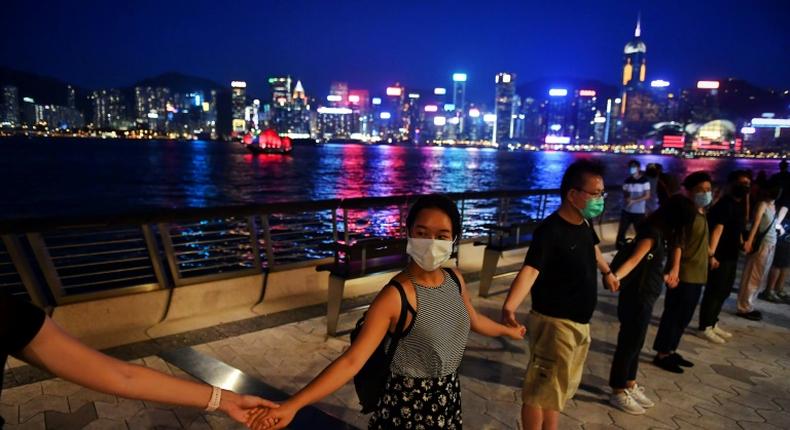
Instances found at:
x=634 y=163
x=696 y=178
x=575 y=174
x=435 y=201
x=783 y=165
x=738 y=174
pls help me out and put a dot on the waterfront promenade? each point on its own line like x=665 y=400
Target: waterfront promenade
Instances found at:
x=744 y=384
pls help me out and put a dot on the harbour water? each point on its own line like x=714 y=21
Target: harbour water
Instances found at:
x=53 y=177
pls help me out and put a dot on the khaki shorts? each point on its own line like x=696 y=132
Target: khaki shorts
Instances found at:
x=557 y=351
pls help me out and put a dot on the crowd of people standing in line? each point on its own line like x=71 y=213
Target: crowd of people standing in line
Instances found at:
x=685 y=239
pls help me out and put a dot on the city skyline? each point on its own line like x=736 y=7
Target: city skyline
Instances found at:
x=416 y=54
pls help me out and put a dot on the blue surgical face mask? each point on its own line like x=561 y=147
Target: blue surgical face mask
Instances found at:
x=633 y=170
x=704 y=199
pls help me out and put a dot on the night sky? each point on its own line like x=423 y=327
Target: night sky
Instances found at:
x=371 y=44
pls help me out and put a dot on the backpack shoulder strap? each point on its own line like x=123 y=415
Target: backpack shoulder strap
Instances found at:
x=405 y=306
x=454 y=277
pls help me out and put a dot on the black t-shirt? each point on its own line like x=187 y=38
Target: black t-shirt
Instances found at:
x=20 y=322
x=564 y=254
x=732 y=215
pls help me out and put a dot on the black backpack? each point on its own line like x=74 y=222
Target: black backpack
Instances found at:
x=369 y=382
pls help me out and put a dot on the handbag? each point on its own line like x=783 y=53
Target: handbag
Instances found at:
x=758 y=238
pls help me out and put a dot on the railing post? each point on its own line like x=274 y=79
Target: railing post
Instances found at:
x=47 y=266
x=334 y=224
x=24 y=270
x=267 y=240
x=167 y=245
x=256 y=252
x=345 y=226
x=153 y=254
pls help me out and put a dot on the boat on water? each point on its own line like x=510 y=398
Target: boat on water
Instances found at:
x=267 y=142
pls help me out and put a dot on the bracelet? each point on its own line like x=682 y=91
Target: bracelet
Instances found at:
x=216 y=397
x=607 y=273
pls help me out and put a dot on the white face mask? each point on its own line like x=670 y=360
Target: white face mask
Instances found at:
x=429 y=254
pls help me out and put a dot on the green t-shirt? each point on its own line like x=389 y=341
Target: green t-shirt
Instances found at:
x=694 y=255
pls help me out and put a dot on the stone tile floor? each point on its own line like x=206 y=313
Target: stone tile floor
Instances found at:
x=744 y=384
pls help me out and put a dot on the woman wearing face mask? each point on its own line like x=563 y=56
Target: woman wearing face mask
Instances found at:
x=760 y=245
x=423 y=386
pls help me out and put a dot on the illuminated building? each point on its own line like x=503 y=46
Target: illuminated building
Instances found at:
x=338 y=94
x=71 y=97
x=534 y=121
x=637 y=108
x=108 y=109
x=336 y=122
x=559 y=119
x=459 y=98
x=238 y=103
x=151 y=106
x=586 y=109
x=281 y=90
x=9 y=117
x=503 y=106
x=634 y=67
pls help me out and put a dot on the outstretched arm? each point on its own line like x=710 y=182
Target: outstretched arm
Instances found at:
x=519 y=289
x=66 y=357
x=383 y=312
x=481 y=324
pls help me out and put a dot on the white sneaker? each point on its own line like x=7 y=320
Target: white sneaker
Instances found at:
x=721 y=332
x=637 y=393
x=626 y=403
x=711 y=336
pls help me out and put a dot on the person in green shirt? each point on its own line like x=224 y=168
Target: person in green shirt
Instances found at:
x=688 y=273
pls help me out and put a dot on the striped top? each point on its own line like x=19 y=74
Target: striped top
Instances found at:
x=434 y=344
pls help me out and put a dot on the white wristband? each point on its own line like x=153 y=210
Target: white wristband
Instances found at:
x=216 y=397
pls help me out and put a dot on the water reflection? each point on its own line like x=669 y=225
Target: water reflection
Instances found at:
x=94 y=176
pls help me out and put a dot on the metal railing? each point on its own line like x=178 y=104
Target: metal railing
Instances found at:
x=56 y=261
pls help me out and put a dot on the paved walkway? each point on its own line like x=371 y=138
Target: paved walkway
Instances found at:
x=744 y=384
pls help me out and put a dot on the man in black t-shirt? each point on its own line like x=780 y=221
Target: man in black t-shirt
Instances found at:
x=727 y=221
x=560 y=272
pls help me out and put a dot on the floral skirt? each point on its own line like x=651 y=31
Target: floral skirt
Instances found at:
x=419 y=404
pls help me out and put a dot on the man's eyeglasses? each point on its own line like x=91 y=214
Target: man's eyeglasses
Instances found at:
x=594 y=195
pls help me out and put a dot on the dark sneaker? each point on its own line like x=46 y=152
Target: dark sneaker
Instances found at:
x=753 y=315
x=784 y=297
x=668 y=364
x=680 y=360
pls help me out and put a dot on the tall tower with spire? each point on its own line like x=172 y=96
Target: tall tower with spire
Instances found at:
x=634 y=68
x=637 y=108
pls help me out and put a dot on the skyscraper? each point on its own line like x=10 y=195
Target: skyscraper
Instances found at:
x=150 y=105
x=505 y=91
x=108 y=109
x=281 y=90
x=459 y=98
x=637 y=108
x=586 y=101
x=238 y=103
x=71 y=97
x=10 y=113
x=634 y=67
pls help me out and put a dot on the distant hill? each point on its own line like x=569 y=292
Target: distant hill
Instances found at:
x=43 y=89
x=179 y=82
